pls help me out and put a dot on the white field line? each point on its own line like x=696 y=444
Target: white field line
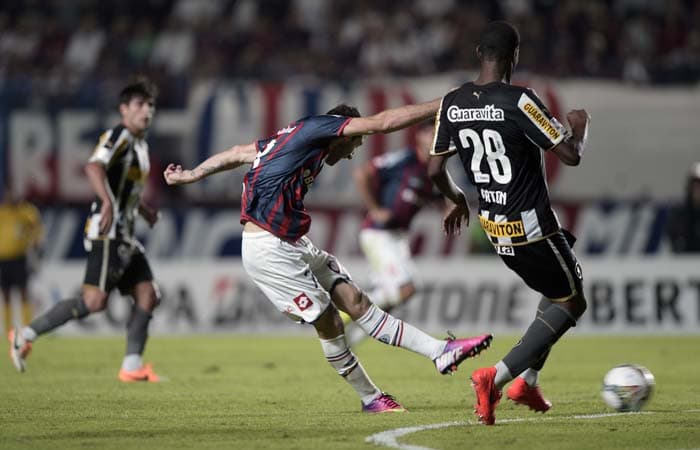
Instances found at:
x=390 y=438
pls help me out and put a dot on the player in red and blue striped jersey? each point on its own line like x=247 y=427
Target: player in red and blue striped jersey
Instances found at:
x=283 y=170
x=304 y=282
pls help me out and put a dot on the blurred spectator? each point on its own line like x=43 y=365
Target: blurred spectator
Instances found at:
x=197 y=12
x=174 y=47
x=642 y=41
x=141 y=42
x=19 y=43
x=85 y=45
x=684 y=223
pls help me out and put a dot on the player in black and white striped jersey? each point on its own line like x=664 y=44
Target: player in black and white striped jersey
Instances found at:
x=500 y=132
x=117 y=171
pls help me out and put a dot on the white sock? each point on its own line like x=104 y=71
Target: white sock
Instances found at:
x=132 y=362
x=530 y=376
x=502 y=375
x=29 y=334
x=386 y=328
x=346 y=364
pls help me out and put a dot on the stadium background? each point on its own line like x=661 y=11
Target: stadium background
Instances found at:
x=232 y=71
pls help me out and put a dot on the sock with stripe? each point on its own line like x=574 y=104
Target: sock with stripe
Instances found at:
x=544 y=331
x=347 y=365
x=62 y=312
x=386 y=328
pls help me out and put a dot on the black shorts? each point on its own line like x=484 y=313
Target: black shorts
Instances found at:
x=115 y=263
x=548 y=266
x=14 y=273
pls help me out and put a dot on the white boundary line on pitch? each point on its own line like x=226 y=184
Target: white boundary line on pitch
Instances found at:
x=390 y=438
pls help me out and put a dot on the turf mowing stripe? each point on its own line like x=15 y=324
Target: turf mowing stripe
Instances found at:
x=390 y=438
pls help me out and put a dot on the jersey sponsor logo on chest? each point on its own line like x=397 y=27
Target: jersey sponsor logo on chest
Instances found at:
x=488 y=113
x=502 y=229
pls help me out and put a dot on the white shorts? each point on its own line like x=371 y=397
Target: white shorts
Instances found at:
x=389 y=256
x=296 y=277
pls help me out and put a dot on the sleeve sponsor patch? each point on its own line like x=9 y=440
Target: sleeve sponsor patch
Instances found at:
x=548 y=125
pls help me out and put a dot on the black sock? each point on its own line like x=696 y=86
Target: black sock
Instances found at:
x=539 y=364
x=137 y=331
x=544 y=304
x=62 y=312
x=544 y=331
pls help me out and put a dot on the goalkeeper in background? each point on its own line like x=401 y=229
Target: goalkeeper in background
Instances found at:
x=21 y=231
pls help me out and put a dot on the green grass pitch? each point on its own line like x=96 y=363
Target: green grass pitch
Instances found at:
x=245 y=392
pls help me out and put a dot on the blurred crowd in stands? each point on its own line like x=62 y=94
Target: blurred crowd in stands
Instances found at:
x=68 y=52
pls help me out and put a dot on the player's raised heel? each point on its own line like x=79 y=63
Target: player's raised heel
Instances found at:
x=487 y=396
x=531 y=396
x=457 y=350
x=385 y=403
x=19 y=349
x=144 y=374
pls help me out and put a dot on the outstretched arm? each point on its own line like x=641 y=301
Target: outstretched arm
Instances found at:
x=391 y=119
x=230 y=159
x=570 y=150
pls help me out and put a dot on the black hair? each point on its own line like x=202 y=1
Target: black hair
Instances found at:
x=345 y=110
x=498 y=41
x=140 y=87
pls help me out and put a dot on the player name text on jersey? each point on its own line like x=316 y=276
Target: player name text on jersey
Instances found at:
x=499 y=197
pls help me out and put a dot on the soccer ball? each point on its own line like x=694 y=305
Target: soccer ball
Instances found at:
x=627 y=387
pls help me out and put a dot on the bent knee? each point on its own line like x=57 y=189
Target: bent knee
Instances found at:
x=359 y=303
x=577 y=305
x=147 y=296
x=95 y=300
x=350 y=299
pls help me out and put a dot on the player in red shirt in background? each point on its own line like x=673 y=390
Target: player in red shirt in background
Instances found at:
x=394 y=187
